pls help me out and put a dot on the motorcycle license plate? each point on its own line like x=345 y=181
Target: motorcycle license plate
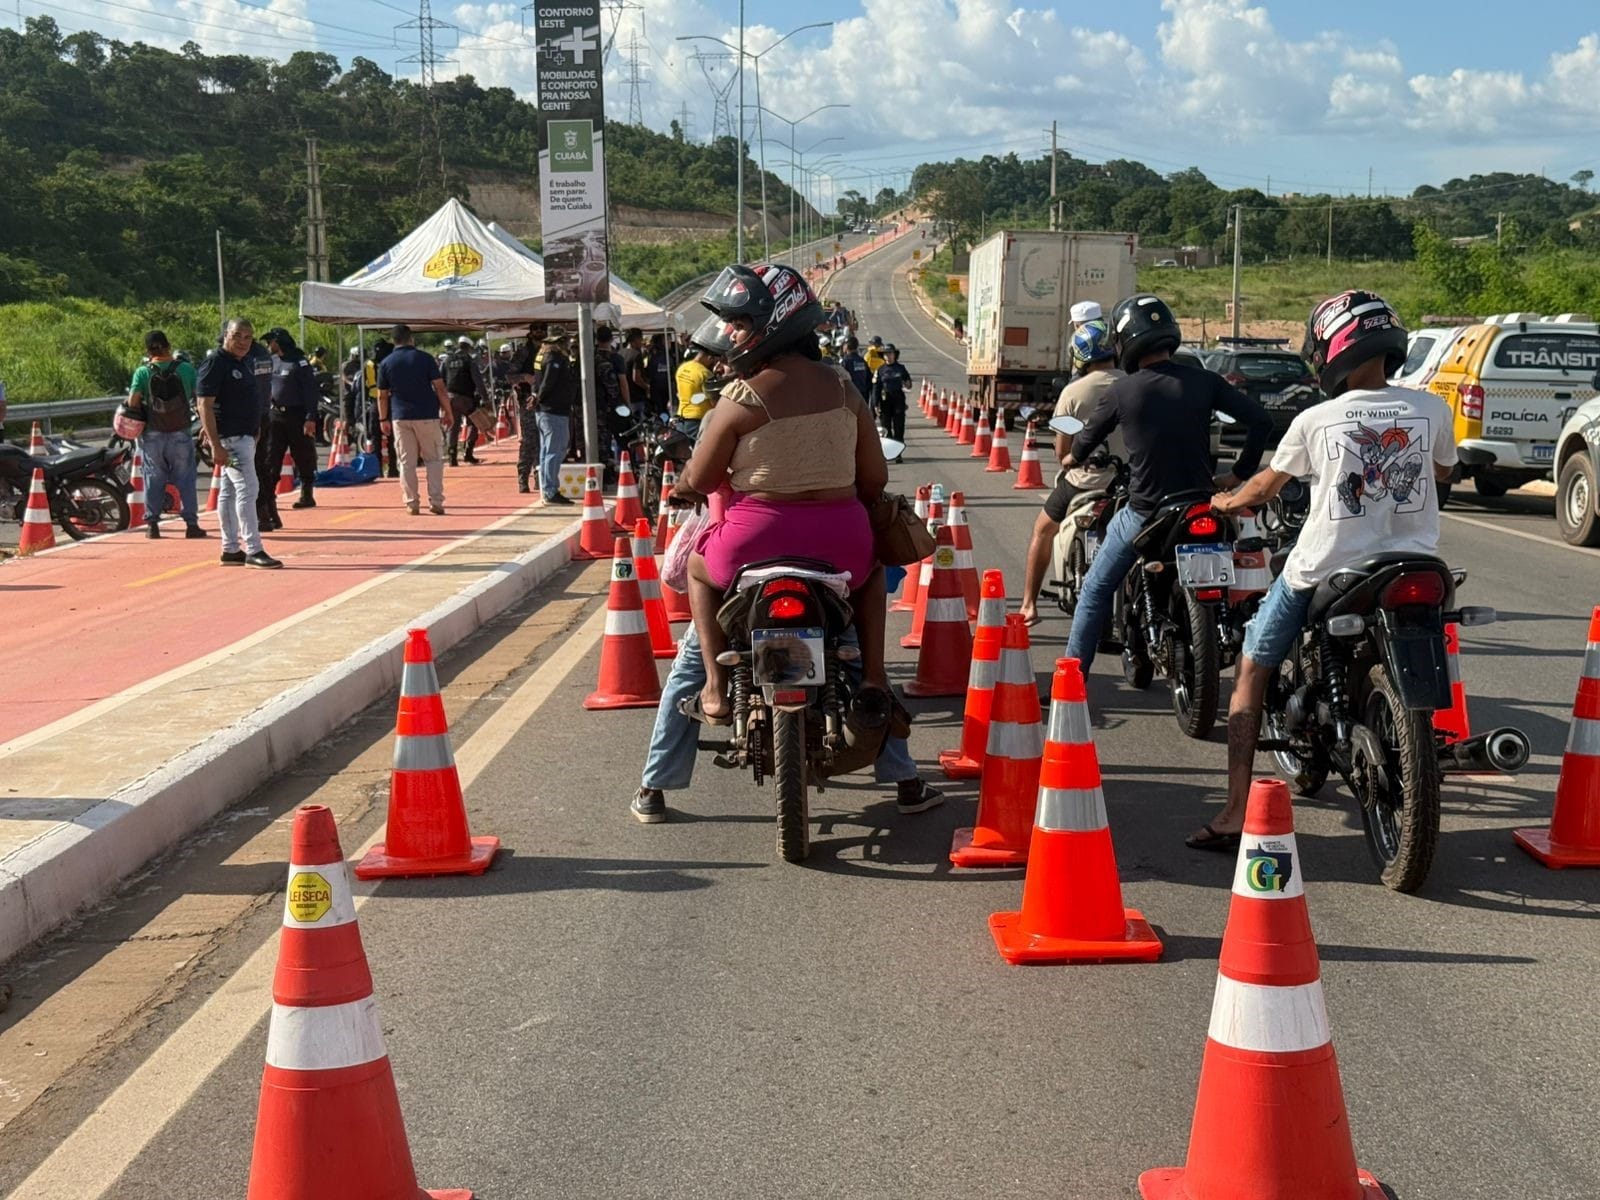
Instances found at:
x=1205 y=566
x=1091 y=545
x=787 y=657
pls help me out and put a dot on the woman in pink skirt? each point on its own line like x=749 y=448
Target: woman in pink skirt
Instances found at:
x=796 y=447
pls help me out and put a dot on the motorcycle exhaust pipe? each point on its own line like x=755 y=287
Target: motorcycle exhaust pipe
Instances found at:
x=1504 y=749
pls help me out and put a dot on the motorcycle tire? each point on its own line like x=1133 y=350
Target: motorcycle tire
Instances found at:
x=789 y=785
x=1305 y=775
x=97 y=506
x=1196 y=668
x=1400 y=817
x=1077 y=566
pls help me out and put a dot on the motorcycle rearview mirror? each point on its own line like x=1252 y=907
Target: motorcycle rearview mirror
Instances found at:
x=622 y=410
x=1477 y=614
x=1222 y=418
x=1066 y=426
x=891 y=448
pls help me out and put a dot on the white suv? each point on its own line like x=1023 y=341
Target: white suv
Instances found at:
x=1578 y=474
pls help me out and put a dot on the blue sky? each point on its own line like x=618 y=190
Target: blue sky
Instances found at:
x=1308 y=96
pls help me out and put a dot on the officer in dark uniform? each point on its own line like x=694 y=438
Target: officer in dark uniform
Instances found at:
x=292 y=422
x=258 y=362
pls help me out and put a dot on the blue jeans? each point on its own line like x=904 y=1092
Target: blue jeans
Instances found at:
x=554 y=431
x=168 y=458
x=1110 y=566
x=669 y=764
x=1278 y=621
x=689 y=428
x=236 y=500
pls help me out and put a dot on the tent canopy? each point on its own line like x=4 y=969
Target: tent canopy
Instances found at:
x=626 y=307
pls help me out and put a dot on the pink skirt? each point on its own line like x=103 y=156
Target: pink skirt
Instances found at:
x=834 y=531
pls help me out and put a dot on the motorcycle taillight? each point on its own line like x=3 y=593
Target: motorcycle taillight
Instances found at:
x=786 y=608
x=778 y=586
x=1425 y=587
x=1200 y=521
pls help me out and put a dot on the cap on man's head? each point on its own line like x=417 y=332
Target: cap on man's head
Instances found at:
x=876 y=341
x=277 y=334
x=891 y=348
x=1086 y=310
x=554 y=334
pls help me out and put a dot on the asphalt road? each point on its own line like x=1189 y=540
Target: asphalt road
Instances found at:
x=624 y=1011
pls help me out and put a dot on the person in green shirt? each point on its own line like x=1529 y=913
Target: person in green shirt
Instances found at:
x=161 y=394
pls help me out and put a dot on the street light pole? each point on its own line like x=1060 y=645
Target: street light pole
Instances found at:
x=738 y=201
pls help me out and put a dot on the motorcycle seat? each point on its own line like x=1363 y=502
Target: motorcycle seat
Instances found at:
x=835 y=581
x=1339 y=584
x=72 y=460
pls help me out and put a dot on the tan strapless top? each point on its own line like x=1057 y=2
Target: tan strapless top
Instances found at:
x=812 y=452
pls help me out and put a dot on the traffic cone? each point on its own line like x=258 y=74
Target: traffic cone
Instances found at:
x=628 y=676
x=922 y=397
x=941 y=411
x=286 y=475
x=136 y=490
x=36 y=446
x=1452 y=721
x=328 y=1122
x=1269 y=1119
x=427 y=831
x=1072 y=897
x=214 y=492
x=595 y=539
x=1573 y=839
x=38 y=530
x=966 y=571
x=967 y=762
x=1029 y=475
x=999 y=451
x=952 y=416
x=669 y=484
x=968 y=432
x=1010 y=789
x=1252 y=573
x=912 y=586
x=655 y=610
x=336 y=445
x=945 y=648
x=626 y=512
x=502 y=425
x=919 y=613
x=983 y=438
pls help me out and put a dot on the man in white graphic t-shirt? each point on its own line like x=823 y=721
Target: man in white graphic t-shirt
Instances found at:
x=1372 y=453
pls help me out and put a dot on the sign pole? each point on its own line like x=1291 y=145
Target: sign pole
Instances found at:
x=591 y=415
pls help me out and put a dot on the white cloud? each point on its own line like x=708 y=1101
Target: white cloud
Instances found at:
x=220 y=26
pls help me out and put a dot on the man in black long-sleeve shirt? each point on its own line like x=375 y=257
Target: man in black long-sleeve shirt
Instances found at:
x=1164 y=411
x=292 y=422
x=558 y=390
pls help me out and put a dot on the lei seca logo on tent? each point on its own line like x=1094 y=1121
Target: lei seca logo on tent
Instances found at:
x=453 y=261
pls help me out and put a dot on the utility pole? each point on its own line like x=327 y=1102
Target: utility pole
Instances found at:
x=635 y=77
x=222 y=295
x=738 y=196
x=1499 y=226
x=1369 y=183
x=316 y=222
x=1238 y=260
x=1330 y=231
x=683 y=120
x=1053 y=223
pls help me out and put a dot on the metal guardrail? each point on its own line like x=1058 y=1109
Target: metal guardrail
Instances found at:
x=26 y=414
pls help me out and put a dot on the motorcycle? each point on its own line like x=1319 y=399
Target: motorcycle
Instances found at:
x=1080 y=535
x=85 y=497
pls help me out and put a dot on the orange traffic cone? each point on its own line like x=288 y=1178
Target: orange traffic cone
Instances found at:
x=595 y=539
x=922 y=397
x=328 y=1122
x=38 y=531
x=968 y=432
x=941 y=410
x=655 y=610
x=502 y=425
x=36 y=446
x=967 y=762
x=945 y=649
x=628 y=676
x=924 y=569
x=1269 y=1119
x=136 y=514
x=214 y=492
x=1029 y=475
x=1072 y=898
x=669 y=484
x=999 y=451
x=1573 y=839
x=907 y=601
x=1452 y=721
x=427 y=832
x=336 y=445
x=966 y=570
x=626 y=512
x=1010 y=788
x=286 y=475
x=952 y=416
x=983 y=437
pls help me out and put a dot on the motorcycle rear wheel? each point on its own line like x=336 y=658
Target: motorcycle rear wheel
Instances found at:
x=1196 y=665
x=1077 y=566
x=1306 y=774
x=789 y=785
x=90 y=507
x=1399 y=796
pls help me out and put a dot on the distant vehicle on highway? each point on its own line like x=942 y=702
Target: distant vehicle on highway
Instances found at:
x=1425 y=350
x=1263 y=370
x=1167 y=262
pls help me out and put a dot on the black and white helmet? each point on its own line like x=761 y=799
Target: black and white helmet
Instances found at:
x=1142 y=325
x=777 y=301
x=1348 y=330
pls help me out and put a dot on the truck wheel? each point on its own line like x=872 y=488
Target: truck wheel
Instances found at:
x=1575 y=501
x=1489 y=487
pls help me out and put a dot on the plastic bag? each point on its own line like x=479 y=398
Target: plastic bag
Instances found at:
x=675 y=565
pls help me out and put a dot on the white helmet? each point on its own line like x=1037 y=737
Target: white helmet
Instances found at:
x=505 y=347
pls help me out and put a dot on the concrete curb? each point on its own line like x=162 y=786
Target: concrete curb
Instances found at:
x=76 y=863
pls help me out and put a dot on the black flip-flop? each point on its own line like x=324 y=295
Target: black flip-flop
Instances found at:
x=1210 y=839
x=690 y=707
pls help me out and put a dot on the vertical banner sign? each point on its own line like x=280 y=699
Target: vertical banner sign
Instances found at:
x=572 y=160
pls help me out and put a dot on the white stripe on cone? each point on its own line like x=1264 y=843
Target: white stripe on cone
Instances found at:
x=1269 y=1020
x=946 y=608
x=1020 y=742
x=326 y=1038
x=626 y=622
x=1584 y=737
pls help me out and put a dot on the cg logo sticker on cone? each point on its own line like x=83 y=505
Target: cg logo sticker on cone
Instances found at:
x=1265 y=872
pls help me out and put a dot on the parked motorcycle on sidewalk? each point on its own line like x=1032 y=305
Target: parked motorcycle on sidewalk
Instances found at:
x=86 y=498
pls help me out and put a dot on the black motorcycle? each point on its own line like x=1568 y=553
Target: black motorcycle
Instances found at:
x=1357 y=695
x=1081 y=534
x=86 y=497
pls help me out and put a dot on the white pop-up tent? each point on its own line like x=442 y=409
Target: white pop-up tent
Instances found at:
x=451 y=272
x=627 y=305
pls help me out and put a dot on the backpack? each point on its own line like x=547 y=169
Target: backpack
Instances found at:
x=458 y=374
x=167 y=402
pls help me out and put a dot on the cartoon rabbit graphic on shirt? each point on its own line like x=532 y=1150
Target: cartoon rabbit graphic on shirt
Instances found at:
x=1390 y=465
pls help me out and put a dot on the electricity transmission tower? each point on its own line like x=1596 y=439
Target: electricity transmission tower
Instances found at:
x=636 y=70
x=721 y=117
x=428 y=61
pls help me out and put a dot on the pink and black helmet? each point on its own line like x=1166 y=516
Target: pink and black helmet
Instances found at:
x=1346 y=331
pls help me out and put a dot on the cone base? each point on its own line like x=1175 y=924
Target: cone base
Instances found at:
x=1138 y=942
x=924 y=691
x=903 y=606
x=964 y=854
x=683 y=620
x=910 y=642
x=1537 y=843
x=448 y=1193
x=597 y=700
x=1166 y=1183
x=955 y=766
x=667 y=651
x=997 y=470
x=584 y=555
x=1030 y=486
x=378 y=865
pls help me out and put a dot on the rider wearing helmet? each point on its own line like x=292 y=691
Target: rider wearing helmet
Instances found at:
x=1094 y=363
x=1164 y=411
x=1371 y=490
x=797 y=447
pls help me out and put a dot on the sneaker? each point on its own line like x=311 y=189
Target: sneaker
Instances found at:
x=413 y=509
x=233 y=558
x=305 y=502
x=649 y=806
x=152 y=530
x=916 y=796
x=194 y=531
x=436 y=509
x=263 y=560
x=558 y=498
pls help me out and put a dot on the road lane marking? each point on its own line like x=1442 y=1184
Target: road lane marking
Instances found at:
x=894 y=299
x=1520 y=533
x=88 y=1162
x=360 y=512
x=172 y=574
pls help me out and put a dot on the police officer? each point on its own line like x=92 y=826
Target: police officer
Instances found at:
x=856 y=367
x=464 y=381
x=890 y=384
x=292 y=423
x=258 y=365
